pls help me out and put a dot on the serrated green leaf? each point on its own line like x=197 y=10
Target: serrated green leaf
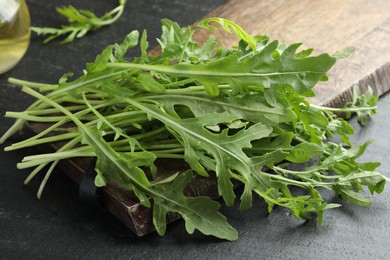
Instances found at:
x=295 y=153
x=259 y=70
x=249 y=108
x=369 y=166
x=228 y=25
x=144 y=45
x=353 y=197
x=130 y=41
x=364 y=105
x=149 y=84
x=64 y=78
x=80 y=22
x=304 y=53
x=167 y=179
x=303 y=152
x=100 y=61
x=198 y=212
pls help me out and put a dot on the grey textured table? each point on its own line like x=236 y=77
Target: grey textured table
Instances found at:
x=59 y=226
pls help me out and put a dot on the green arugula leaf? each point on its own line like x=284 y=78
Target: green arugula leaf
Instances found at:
x=228 y=25
x=80 y=23
x=261 y=71
x=367 y=100
x=199 y=213
x=130 y=41
x=299 y=153
x=249 y=108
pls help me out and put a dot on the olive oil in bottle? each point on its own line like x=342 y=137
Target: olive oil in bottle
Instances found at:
x=14 y=32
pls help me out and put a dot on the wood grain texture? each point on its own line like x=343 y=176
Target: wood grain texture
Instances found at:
x=326 y=26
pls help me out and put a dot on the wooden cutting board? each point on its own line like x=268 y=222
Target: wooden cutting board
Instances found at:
x=326 y=26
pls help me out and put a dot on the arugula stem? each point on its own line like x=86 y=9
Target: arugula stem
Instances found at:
x=31 y=141
x=347 y=109
x=296 y=173
x=189 y=37
x=251 y=53
x=172 y=151
x=68 y=87
x=359 y=176
x=301 y=174
x=16 y=126
x=27 y=117
x=149 y=133
x=168 y=155
x=50 y=170
x=47 y=158
x=163 y=146
x=176 y=71
x=46 y=178
x=68 y=145
x=192 y=89
x=50 y=139
x=86 y=151
x=103 y=119
x=47 y=111
x=117 y=12
x=178 y=83
x=287 y=180
x=64 y=89
x=31 y=84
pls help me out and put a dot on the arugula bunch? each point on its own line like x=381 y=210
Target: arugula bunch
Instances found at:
x=80 y=22
x=240 y=114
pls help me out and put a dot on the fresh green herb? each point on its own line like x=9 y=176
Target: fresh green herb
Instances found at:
x=239 y=113
x=80 y=23
x=363 y=105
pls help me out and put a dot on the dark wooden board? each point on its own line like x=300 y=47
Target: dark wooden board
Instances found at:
x=326 y=26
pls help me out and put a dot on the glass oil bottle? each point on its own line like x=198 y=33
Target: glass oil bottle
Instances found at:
x=14 y=32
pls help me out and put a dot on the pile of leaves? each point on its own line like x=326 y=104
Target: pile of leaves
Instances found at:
x=240 y=113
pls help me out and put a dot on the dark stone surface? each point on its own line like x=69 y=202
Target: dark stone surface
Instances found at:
x=59 y=226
